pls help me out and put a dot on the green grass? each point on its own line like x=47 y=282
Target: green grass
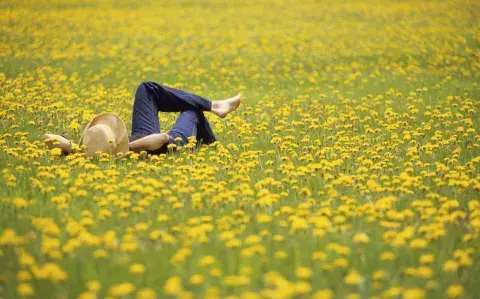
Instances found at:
x=345 y=104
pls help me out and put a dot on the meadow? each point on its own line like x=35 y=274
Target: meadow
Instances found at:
x=351 y=169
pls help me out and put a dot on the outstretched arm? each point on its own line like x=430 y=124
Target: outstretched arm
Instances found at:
x=149 y=143
x=57 y=141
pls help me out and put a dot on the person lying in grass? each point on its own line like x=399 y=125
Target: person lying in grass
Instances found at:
x=107 y=133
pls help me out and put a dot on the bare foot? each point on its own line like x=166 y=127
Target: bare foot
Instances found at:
x=56 y=141
x=224 y=107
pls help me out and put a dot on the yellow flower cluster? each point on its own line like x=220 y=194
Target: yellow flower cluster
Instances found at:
x=351 y=169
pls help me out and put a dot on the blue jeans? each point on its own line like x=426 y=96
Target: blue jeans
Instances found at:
x=151 y=98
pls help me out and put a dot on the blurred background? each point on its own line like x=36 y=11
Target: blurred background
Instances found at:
x=223 y=46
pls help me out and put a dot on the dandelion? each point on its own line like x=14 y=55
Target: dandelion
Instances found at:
x=379 y=274
x=19 y=203
x=303 y=272
x=100 y=253
x=264 y=218
x=414 y=294
x=332 y=166
x=361 y=238
x=319 y=255
x=424 y=272
x=281 y=255
x=455 y=291
x=323 y=294
x=56 y=152
x=145 y=293
x=353 y=278
x=121 y=289
x=87 y=295
x=94 y=285
x=216 y=272
x=196 y=279
x=137 y=269
x=418 y=243
x=427 y=258
x=173 y=286
x=341 y=263
x=25 y=290
x=450 y=266
x=302 y=288
x=23 y=275
x=387 y=256
x=207 y=260
x=432 y=284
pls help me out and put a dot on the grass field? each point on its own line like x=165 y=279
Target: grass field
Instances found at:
x=351 y=170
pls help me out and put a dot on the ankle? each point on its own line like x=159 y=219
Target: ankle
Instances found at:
x=215 y=107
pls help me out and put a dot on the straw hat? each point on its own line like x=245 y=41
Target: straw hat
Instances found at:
x=106 y=133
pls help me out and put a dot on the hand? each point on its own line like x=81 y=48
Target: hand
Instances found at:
x=57 y=141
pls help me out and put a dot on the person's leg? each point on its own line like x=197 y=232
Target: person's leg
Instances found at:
x=150 y=98
x=169 y=99
x=146 y=127
x=145 y=113
x=205 y=133
x=192 y=123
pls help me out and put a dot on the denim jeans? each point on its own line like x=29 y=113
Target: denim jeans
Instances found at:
x=151 y=98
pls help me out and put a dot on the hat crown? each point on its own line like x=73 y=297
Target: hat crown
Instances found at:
x=106 y=132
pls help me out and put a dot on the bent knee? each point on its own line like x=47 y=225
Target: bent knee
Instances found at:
x=148 y=87
x=142 y=88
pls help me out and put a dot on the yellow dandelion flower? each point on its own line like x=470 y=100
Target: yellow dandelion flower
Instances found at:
x=94 y=285
x=303 y=272
x=172 y=286
x=323 y=294
x=418 y=243
x=414 y=294
x=121 y=289
x=319 y=256
x=387 y=256
x=455 y=291
x=196 y=279
x=146 y=293
x=87 y=295
x=353 y=278
x=25 y=290
x=137 y=268
x=264 y=218
x=206 y=260
x=450 y=266
x=361 y=238
x=427 y=258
